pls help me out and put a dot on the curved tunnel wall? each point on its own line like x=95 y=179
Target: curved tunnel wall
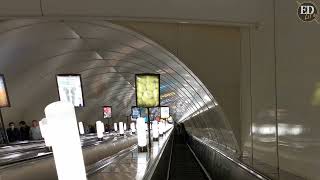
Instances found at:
x=107 y=56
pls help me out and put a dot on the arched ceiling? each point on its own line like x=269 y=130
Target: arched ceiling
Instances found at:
x=107 y=56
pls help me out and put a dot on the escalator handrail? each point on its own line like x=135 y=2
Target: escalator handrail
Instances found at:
x=235 y=161
x=200 y=164
x=151 y=169
x=47 y=155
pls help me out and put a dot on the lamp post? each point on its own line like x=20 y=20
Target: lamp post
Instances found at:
x=6 y=139
x=66 y=144
x=100 y=130
x=147 y=94
x=141 y=130
x=133 y=128
x=115 y=127
x=81 y=128
x=155 y=131
x=45 y=132
x=121 y=131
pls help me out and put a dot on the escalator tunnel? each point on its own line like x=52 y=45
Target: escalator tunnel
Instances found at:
x=107 y=56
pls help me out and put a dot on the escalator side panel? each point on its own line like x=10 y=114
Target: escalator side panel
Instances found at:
x=161 y=170
x=184 y=165
x=44 y=168
x=217 y=165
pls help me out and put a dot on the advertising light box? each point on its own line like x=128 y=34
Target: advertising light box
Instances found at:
x=135 y=112
x=154 y=113
x=107 y=112
x=148 y=90
x=4 y=99
x=70 y=89
x=143 y=112
x=165 y=112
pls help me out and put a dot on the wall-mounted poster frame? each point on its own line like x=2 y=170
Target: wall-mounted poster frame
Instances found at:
x=64 y=82
x=107 y=112
x=147 y=84
x=4 y=97
x=164 y=112
x=135 y=112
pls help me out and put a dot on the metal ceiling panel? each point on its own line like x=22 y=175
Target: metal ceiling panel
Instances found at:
x=107 y=57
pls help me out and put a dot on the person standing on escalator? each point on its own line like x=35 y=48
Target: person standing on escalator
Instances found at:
x=24 y=131
x=13 y=133
x=35 y=132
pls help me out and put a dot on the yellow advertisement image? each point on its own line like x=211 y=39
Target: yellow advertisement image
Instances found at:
x=148 y=90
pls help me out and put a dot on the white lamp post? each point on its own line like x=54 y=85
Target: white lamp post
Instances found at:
x=142 y=135
x=161 y=128
x=121 y=131
x=66 y=144
x=155 y=131
x=133 y=128
x=81 y=128
x=124 y=126
x=115 y=126
x=45 y=132
x=100 y=130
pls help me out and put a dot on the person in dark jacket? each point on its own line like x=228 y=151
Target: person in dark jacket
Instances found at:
x=13 y=133
x=24 y=131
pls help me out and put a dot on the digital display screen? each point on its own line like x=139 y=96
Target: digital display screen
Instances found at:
x=154 y=113
x=4 y=99
x=70 y=89
x=144 y=113
x=165 y=112
x=148 y=90
x=135 y=112
x=107 y=112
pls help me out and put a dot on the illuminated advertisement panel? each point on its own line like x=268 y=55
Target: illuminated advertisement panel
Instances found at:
x=135 y=112
x=70 y=89
x=148 y=90
x=4 y=99
x=165 y=112
x=107 y=112
x=144 y=114
x=154 y=113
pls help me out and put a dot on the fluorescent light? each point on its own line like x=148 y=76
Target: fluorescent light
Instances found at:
x=121 y=131
x=161 y=128
x=100 y=129
x=133 y=128
x=155 y=131
x=142 y=135
x=45 y=132
x=115 y=126
x=81 y=128
x=66 y=144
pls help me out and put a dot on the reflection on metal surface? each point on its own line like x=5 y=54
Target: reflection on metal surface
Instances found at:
x=142 y=161
x=167 y=95
x=316 y=95
x=135 y=165
x=207 y=146
x=283 y=129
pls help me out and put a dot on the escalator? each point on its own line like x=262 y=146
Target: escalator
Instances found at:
x=184 y=165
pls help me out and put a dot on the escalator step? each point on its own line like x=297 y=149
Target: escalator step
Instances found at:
x=184 y=166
